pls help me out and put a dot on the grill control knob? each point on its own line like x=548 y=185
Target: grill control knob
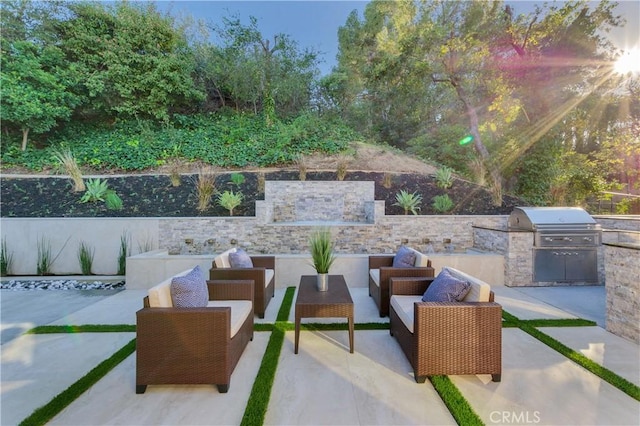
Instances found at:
x=567 y=239
x=549 y=239
x=589 y=239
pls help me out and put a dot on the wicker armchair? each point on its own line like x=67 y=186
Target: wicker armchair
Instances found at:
x=262 y=274
x=193 y=345
x=381 y=269
x=447 y=338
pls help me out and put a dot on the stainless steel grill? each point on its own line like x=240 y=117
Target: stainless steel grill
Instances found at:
x=565 y=243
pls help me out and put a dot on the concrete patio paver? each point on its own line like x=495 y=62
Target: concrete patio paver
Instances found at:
x=541 y=386
x=613 y=352
x=112 y=401
x=324 y=383
x=37 y=367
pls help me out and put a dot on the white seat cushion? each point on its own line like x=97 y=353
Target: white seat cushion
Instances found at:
x=240 y=310
x=403 y=306
x=375 y=276
x=222 y=260
x=268 y=276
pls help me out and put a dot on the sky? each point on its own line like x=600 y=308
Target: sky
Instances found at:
x=314 y=23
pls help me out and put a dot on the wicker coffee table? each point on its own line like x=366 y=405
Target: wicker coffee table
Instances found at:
x=333 y=303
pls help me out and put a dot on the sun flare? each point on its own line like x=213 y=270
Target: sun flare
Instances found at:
x=628 y=62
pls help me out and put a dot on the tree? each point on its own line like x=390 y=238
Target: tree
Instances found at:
x=265 y=75
x=134 y=62
x=37 y=82
x=511 y=79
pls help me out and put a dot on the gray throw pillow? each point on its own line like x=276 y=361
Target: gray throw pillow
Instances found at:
x=404 y=258
x=446 y=288
x=240 y=259
x=190 y=290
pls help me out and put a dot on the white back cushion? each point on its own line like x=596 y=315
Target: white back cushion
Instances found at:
x=222 y=260
x=160 y=294
x=421 y=259
x=480 y=290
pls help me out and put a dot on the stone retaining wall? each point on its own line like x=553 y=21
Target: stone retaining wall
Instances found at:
x=623 y=290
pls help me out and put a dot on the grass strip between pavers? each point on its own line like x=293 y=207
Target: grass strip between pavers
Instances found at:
x=258 y=403
x=285 y=307
x=87 y=328
x=529 y=327
x=457 y=404
x=48 y=411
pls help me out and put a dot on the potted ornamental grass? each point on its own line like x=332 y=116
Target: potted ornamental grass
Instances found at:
x=322 y=256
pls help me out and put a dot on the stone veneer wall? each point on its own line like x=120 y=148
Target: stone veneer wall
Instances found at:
x=623 y=290
x=291 y=211
x=383 y=236
x=516 y=247
x=621 y=223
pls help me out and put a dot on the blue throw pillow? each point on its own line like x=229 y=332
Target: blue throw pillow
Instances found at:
x=240 y=259
x=404 y=258
x=446 y=288
x=190 y=290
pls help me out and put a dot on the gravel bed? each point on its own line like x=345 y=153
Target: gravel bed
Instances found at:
x=18 y=285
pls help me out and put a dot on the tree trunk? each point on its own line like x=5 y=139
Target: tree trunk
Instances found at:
x=25 y=138
x=481 y=149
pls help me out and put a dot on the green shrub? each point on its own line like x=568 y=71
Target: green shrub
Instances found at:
x=230 y=200
x=442 y=203
x=113 y=200
x=6 y=259
x=85 y=257
x=444 y=177
x=222 y=139
x=45 y=259
x=125 y=251
x=237 y=179
x=410 y=202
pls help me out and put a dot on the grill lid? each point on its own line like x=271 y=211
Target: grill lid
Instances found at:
x=538 y=218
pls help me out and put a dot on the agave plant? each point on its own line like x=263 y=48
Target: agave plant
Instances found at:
x=410 y=202
x=444 y=177
x=97 y=190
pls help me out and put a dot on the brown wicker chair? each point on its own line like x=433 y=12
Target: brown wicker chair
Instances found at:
x=448 y=338
x=192 y=345
x=264 y=281
x=383 y=263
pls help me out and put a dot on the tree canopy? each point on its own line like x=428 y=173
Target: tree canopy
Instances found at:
x=528 y=103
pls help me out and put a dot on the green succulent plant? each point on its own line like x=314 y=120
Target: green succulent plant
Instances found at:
x=410 y=202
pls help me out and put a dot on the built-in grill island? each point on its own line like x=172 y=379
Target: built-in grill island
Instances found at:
x=566 y=241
